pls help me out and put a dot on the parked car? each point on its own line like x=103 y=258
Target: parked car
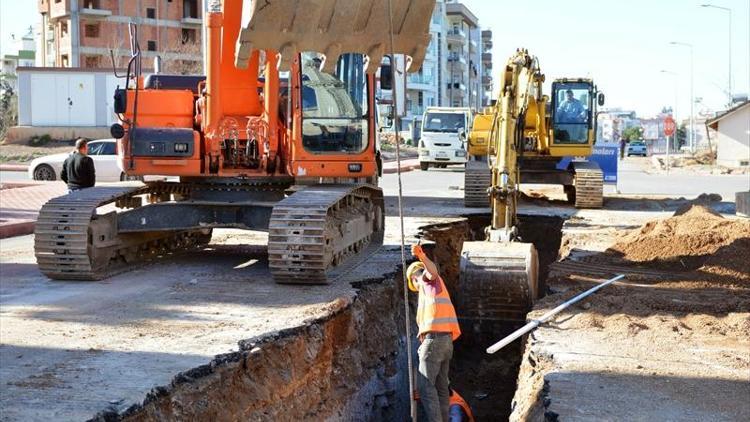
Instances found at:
x=102 y=151
x=637 y=148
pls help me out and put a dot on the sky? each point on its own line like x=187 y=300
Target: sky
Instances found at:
x=622 y=44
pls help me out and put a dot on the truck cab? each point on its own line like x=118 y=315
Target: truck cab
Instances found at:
x=444 y=133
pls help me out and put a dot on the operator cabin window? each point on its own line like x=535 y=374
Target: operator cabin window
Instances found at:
x=152 y=46
x=572 y=106
x=334 y=106
x=151 y=13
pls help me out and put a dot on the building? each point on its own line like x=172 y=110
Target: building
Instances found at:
x=22 y=53
x=464 y=57
x=81 y=33
x=612 y=123
x=733 y=136
x=486 y=67
x=423 y=88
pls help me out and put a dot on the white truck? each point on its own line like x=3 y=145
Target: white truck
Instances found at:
x=444 y=133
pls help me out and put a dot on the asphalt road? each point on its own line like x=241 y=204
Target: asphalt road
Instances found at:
x=633 y=180
x=13 y=176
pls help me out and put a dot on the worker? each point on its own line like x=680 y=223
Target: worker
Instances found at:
x=571 y=110
x=438 y=328
x=78 y=169
x=459 y=409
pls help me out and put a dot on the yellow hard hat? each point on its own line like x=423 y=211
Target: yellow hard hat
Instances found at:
x=413 y=270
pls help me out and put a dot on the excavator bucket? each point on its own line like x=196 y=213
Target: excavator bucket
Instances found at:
x=334 y=27
x=498 y=281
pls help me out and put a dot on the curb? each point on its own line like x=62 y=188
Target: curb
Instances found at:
x=14 y=167
x=404 y=168
x=21 y=228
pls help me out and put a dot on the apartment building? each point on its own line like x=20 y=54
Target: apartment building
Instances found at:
x=81 y=33
x=486 y=67
x=464 y=57
x=457 y=67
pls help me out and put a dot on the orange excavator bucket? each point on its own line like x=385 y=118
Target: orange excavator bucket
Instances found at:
x=333 y=27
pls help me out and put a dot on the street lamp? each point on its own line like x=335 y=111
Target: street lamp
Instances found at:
x=729 y=82
x=690 y=46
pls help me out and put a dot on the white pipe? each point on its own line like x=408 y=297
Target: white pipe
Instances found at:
x=537 y=322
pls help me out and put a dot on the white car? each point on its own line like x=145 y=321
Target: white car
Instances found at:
x=102 y=151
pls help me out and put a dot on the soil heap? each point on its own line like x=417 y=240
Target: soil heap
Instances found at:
x=696 y=237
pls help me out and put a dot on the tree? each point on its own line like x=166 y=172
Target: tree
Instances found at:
x=8 y=109
x=632 y=133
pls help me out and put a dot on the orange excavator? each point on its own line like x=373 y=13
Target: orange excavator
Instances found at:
x=280 y=135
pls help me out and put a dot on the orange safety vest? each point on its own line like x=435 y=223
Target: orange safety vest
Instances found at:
x=436 y=313
x=457 y=400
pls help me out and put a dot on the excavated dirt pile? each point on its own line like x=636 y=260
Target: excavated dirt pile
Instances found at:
x=696 y=237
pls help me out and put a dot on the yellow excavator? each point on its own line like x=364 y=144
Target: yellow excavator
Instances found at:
x=522 y=138
x=544 y=132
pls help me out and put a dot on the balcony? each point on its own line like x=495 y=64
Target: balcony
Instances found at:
x=486 y=80
x=456 y=36
x=458 y=88
x=456 y=60
x=420 y=82
x=415 y=110
x=192 y=21
x=93 y=10
x=486 y=57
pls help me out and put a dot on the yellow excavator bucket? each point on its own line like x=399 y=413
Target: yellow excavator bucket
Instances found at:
x=334 y=27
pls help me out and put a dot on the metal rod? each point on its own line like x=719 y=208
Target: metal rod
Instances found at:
x=537 y=322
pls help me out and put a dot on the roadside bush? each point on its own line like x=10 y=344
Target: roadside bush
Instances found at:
x=40 y=141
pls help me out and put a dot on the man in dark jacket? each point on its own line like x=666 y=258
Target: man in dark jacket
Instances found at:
x=78 y=169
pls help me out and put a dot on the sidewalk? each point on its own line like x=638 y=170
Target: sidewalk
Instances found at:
x=19 y=206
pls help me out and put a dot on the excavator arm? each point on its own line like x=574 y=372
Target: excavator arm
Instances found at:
x=517 y=118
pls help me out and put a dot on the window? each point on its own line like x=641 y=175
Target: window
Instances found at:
x=64 y=60
x=444 y=122
x=571 y=104
x=92 y=4
x=92 y=61
x=92 y=30
x=334 y=107
x=188 y=36
x=64 y=28
x=151 y=13
x=108 y=148
x=95 y=148
x=152 y=46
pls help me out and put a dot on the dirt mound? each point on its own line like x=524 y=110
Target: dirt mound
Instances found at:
x=686 y=241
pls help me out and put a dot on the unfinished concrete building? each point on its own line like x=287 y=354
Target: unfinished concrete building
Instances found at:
x=81 y=33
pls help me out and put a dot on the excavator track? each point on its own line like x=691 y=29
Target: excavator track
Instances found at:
x=319 y=231
x=73 y=242
x=477 y=179
x=588 y=185
x=498 y=281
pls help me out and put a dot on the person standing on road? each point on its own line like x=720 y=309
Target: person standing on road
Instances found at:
x=438 y=328
x=78 y=169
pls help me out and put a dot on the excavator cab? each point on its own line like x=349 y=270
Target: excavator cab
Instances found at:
x=573 y=116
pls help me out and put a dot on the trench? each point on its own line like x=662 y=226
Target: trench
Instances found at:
x=488 y=382
x=351 y=364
